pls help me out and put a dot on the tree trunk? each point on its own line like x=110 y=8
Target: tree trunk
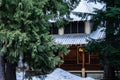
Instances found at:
x=2 y=68
x=10 y=71
x=109 y=73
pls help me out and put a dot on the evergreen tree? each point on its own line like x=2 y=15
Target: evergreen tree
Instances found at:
x=109 y=47
x=24 y=31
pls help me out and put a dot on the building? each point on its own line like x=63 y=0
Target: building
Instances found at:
x=75 y=34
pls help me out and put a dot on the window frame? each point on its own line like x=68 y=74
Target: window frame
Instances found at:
x=77 y=31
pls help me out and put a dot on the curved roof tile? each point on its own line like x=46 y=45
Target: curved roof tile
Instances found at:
x=76 y=39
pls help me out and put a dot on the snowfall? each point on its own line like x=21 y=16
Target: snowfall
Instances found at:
x=57 y=74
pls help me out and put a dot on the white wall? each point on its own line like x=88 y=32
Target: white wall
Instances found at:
x=61 y=31
x=87 y=27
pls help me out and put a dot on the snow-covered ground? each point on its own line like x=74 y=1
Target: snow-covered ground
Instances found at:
x=57 y=74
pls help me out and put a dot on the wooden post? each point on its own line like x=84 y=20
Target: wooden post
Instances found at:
x=83 y=64
x=83 y=61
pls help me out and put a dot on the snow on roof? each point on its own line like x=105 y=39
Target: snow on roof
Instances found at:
x=76 y=39
x=78 y=18
x=71 y=39
x=88 y=7
x=83 y=7
x=98 y=34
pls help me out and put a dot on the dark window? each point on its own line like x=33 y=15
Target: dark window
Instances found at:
x=74 y=27
x=81 y=27
x=53 y=29
x=67 y=29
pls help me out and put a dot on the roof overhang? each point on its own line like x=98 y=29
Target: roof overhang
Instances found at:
x=78 y=39
x=84 y=7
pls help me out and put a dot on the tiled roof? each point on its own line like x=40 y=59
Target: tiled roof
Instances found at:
x=88 y=7
x=77 y=39
x=98 y=34
x=71 y=38
x=83 y=7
